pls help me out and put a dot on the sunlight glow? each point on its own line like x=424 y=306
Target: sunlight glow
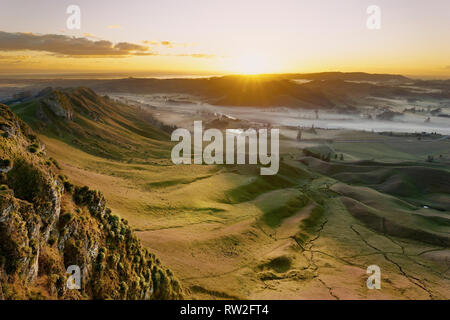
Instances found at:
x=251 y=64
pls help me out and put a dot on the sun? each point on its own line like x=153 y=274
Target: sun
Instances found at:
x=251 y=63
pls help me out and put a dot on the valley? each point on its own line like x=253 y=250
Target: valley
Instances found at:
x=351 y=192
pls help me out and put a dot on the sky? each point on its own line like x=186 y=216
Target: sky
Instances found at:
x=221 y=37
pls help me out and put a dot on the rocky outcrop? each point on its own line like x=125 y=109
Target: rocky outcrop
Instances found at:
x=58 y=106
x=48 y=225
x=19 y=237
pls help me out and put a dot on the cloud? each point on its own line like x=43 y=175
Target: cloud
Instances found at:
x=14 y=59
x=126 y=46
x=90 y=35
x=165 y=43
x=197 y=55
x=63 y=45
x=115 y=26
x=82 y=47
x=150 y=43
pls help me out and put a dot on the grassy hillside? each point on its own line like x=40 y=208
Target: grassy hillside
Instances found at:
x=95 y=124
x=308 y=232
x=418 y=183
x=48 y=224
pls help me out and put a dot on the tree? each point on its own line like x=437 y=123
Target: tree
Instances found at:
x=299 y=135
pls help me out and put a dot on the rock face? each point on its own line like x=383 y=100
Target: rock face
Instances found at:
x=59 y=106
x=47 y=225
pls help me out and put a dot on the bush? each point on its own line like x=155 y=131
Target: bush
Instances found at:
x=84 y=196
x=123 y=288
x=51 y=241
x=68 y=186
x=55 y=163
x=33 y=148
x=5 y=163
x=65 y=218
x=28 y=182
x=100 y=257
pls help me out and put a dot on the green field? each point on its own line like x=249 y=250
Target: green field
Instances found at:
x=309 y=232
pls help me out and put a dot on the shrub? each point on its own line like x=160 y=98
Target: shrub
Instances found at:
x=123 y=288
x=68 y=186
x=100 y=256
x=28 y=182
x=66 y=218
x=5 y=163
x=55 y=163
x=33 y=148
x=3 y=178
x=84 y=196
x=51 y=241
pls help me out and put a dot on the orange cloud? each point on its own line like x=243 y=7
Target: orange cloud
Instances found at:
x=165 y=43
x=68 y=46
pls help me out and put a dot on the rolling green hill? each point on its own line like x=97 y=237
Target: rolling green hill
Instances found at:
x=414 y=182
x=47 y=224
x=227 y=232
x=95 y=124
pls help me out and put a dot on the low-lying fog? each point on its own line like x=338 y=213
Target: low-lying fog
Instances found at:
x=181 y=106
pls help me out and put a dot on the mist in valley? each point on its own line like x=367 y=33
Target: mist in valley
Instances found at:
x=181 y=107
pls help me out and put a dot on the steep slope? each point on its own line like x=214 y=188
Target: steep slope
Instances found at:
x=95 y=124
x=47 y=225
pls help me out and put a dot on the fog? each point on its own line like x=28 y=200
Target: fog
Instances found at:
x=182 y=105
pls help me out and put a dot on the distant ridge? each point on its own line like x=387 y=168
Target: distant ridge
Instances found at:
x=349 y=76
x=325 y=90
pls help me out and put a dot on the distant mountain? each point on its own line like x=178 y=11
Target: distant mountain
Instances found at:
x=228 y=90
x=264 y=91
x=327 y=90
x=349 y=93
x=349 y=76
x=47 y=225
x=95 y=124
